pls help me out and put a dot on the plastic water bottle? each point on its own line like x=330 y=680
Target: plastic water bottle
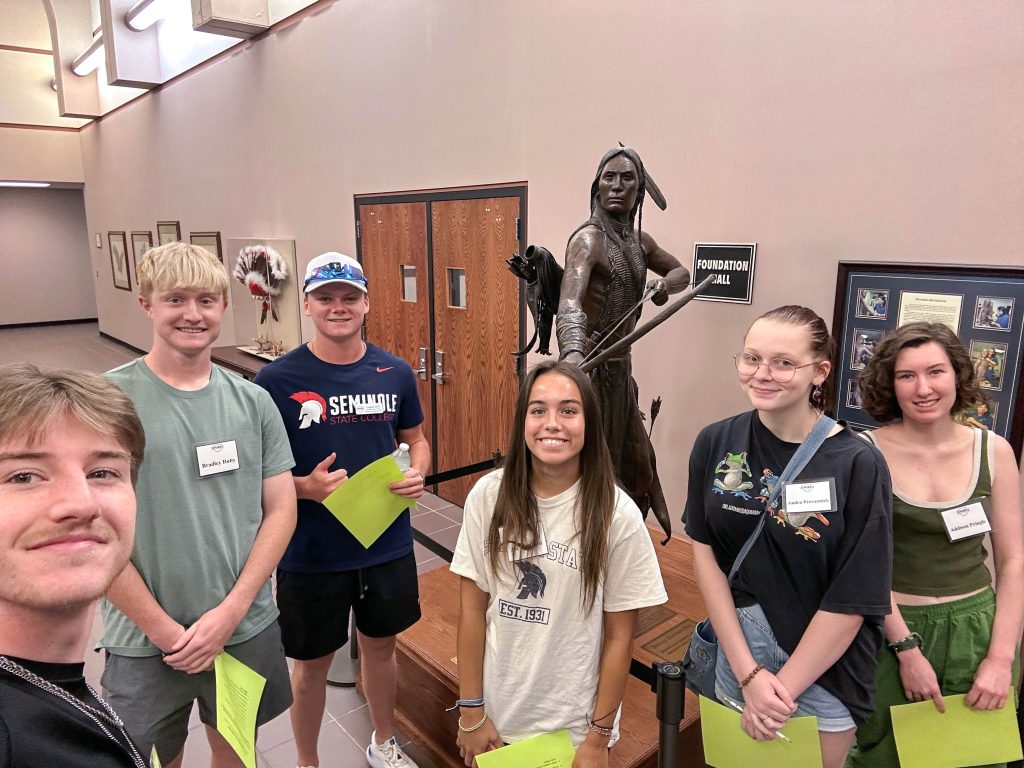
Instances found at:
x=401 y=457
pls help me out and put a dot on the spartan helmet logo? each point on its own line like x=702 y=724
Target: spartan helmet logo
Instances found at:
x=313 y=408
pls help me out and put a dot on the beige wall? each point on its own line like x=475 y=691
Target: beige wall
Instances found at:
x=45 y=258
x=822 y=131
x=29 y=154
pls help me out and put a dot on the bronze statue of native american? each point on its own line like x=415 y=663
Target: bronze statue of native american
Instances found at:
x=602 y=293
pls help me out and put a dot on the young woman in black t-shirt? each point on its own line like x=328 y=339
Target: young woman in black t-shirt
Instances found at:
x=800 y=625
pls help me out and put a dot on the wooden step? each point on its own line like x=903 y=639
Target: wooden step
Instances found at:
x=428 y=674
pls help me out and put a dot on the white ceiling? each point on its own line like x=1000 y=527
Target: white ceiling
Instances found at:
x=27 y=61
x=26 y=97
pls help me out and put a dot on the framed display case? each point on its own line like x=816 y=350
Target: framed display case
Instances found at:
x=978 y=302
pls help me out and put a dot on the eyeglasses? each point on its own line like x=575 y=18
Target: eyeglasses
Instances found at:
x=779 y=370
x=336 y=271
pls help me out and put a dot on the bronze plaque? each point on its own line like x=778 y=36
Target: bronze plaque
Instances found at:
x=671 y=644
x=650 y=617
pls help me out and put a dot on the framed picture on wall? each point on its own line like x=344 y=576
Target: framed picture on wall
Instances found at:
x=208 y=240
x=141 y=242
x=977 y=302
x=119 y=260
x=168 y=232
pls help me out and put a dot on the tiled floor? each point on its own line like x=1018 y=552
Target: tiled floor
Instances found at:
x=346 y=725
x=77 y=346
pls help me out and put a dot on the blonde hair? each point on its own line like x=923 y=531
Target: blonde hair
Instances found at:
x=30 y=401
x=181 y=265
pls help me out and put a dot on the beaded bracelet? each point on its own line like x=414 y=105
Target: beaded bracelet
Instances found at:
x=752 y=674
x=600 y=729
x=472 y=728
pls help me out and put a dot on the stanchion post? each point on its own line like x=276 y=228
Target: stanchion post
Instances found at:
x=670 y=708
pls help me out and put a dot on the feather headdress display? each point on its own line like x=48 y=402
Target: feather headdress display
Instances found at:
x=262 y=270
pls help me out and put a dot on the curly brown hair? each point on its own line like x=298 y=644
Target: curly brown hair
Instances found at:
x=876 y=379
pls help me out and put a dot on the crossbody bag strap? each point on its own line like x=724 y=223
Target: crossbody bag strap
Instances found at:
x=821 y=429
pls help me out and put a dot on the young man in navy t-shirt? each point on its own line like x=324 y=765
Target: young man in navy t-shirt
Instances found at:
x=345 y=404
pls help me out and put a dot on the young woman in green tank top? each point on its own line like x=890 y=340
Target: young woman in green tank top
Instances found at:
x=949 y=631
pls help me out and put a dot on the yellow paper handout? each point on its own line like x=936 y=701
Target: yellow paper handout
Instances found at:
x=726 y=745
x=239 y=690
x=548 y=750
x=363 y=503
x=927 y=738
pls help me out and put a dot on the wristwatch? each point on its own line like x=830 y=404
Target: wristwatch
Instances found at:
x=913 y=640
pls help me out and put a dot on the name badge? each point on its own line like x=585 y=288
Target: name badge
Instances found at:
x=810 y=496
x=217 y=458
x=966 y=521
x=516 y=552
x=368 y=409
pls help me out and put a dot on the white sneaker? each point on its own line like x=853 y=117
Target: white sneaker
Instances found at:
x=387 y=755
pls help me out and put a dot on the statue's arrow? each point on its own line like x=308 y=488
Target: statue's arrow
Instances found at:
x=650 y=325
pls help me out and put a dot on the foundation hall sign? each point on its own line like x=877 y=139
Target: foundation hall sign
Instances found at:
x=732 y=266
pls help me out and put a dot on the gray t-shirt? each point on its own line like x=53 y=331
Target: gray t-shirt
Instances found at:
x=193 y=534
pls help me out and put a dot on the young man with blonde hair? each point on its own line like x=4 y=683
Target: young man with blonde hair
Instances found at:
x=70 y=449
x=216 y=510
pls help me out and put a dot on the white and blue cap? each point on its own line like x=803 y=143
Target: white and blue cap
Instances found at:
x=334 y=267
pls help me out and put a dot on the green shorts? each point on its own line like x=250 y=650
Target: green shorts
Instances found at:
x=956 y=637
x=155 y=701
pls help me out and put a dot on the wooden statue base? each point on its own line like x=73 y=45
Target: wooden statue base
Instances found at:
x=427 y=671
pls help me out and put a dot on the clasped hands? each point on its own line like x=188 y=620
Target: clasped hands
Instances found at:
x=767 y=706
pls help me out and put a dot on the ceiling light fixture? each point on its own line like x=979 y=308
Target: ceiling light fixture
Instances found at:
x=24 y=183
x=145 y=14
x=89 y=59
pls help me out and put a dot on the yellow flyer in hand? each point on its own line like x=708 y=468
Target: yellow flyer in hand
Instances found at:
x=364 y=504
x=726 y=745
x=548 y=750
x=927 y=738
x=239 y=690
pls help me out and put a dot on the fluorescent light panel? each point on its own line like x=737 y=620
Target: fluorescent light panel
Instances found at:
x=24 y=183
x=89 y=59
x=145 y=14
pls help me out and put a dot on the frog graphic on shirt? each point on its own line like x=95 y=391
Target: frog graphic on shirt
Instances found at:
x=733 y=467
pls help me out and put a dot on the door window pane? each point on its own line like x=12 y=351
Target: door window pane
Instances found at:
x=408 y=282
x=457 y=288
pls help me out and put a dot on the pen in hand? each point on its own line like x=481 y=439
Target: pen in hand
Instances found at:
x=778 y=734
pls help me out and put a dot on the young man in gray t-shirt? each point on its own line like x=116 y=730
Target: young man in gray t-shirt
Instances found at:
x=216 y=508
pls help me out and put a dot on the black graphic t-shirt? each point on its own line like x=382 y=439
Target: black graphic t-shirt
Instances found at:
x=38 y=729
x=838 y=561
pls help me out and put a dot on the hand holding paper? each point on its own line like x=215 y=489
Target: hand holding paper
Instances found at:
x=548 y=750
x=727 y=746
x=365 y=505
x=926 y=738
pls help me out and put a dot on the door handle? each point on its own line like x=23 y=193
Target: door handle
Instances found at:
x=422 y=370
x=438 y=367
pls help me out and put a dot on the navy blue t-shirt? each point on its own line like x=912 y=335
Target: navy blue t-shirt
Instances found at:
x=355 y=410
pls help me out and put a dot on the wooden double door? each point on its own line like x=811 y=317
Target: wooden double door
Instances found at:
x=442 y=298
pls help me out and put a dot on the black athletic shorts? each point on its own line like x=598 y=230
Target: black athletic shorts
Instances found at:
x=315 y=606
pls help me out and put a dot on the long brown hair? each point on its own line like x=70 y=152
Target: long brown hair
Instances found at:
x=515 y=511
x=876 y=380
x=821 y=344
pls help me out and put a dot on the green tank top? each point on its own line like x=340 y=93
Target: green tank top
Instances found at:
x=924 y=560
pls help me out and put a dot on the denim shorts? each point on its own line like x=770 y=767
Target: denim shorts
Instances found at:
x=832 y=714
